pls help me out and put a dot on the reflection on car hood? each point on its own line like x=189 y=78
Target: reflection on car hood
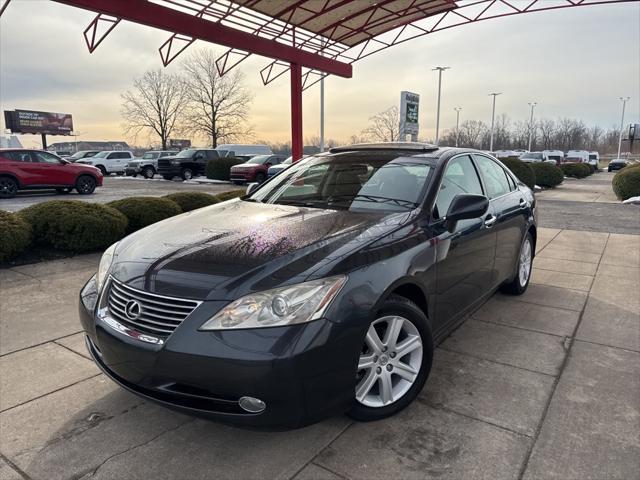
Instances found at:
x=224 y=251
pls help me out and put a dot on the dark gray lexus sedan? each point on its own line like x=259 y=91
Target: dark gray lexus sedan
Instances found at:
x=320 y=292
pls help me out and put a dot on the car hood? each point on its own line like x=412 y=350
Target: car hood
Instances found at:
x=224 y=251
x=245 y=166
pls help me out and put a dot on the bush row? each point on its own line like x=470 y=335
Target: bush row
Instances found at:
x=220 y=168
x=75 y=226
x=543 y=174
x=577 y=170
x=626 y=183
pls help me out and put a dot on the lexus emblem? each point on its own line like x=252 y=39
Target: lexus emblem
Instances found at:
x=132 y=310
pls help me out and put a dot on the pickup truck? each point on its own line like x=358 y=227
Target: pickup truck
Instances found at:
x=109 y=161
x=147 y=166
x=186 y=164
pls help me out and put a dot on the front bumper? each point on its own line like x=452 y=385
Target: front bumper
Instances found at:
x=304 y=373
x=242 y=176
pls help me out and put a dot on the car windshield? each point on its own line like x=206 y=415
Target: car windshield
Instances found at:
x=101 y=154
x=355 y=182
x=150 y=155
x=259 y=159
x=186 y=153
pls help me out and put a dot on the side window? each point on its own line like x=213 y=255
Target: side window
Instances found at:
x=512 y=183
x=112 y=156
x=17 y=156
x=494 y=176
x=44 y=157
x=459 y=177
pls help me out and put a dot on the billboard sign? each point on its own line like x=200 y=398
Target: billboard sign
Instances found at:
x=180 y=144
x=29 y=121
x=409 y=110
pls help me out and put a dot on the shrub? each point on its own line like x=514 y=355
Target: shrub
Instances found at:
x=220 y=168
x=547 y=174
x=192 y=200
x=224 y=196
x=577 y=170
x=143 y=211
x=521 y=170
x=15 y=235
x=75 y=226
x=626 y=183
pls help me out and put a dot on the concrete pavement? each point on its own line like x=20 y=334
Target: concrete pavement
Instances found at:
x=116 y=188
x=546 y=385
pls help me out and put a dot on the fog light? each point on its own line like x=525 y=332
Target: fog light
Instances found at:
x=252 y=405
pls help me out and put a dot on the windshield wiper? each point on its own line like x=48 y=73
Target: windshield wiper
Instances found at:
x=376 y=199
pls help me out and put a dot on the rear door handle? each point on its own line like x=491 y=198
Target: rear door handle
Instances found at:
x=490 y=220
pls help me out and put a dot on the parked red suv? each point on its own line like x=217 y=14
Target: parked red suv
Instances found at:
x=255 y=169
x=22 y=169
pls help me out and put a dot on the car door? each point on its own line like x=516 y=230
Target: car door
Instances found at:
x=51 y=170
x=21 y=163
x=464 y=257
x=509 y=207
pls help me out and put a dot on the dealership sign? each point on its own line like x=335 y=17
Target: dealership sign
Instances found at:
x=29 y=121
x=409 y=106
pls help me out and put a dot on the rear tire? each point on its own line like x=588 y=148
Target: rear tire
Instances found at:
x=260 y=177
x=187 y=174
x=148 y=172
x=392 y=367
x=8 y=187
x=85 y=185
x=524 y=266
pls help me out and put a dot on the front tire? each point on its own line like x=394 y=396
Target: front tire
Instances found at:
x=85 y=185
x=103 y=170
x=148 y=172
x=521 y=279
x=260 y=177
x=394 y=362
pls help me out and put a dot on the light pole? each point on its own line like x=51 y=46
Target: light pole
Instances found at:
x=624 y=104
x=532 y=105
x=440 y=70
x=457 y=109
x=493 y=119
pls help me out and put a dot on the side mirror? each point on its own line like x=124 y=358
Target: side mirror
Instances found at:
x=268 y=164
x=252 y=187
x=463 y=207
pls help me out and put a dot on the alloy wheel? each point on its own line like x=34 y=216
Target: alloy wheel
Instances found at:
x=390 y=361
x=524 y=266
x=85 y=185
x=8 y=187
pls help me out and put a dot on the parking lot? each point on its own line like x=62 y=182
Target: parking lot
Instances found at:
x=546 y=385
x=116 y=188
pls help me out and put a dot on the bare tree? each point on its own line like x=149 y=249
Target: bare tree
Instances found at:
x=547 y=129
x=472 y=133
x=384 y=127
x=218 y=106
x=156 y=104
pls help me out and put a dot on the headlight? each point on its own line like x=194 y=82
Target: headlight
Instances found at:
x=281 y=306
x=175 y=162
x=105 y=265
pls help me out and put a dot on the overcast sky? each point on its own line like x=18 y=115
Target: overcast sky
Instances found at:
x=574 y=62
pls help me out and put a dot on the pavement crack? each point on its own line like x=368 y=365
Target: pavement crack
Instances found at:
x=93 y=472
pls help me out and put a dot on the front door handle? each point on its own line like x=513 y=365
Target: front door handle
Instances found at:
x=490 y=220
x=523 y=203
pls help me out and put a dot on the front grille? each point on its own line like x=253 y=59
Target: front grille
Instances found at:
x=157 y=315
x=162 y=163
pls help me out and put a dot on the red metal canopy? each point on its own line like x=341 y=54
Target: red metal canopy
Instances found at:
x=311 y=38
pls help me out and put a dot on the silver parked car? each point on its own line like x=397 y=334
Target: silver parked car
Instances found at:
x=147 y=166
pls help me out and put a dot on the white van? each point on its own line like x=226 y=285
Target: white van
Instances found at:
x=534 y=157
x=555 y=155
x=594 y=159
x=237 y=149
x=583 y=155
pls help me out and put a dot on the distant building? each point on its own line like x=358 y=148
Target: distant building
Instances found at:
x=87 y=145
x=10 y=142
